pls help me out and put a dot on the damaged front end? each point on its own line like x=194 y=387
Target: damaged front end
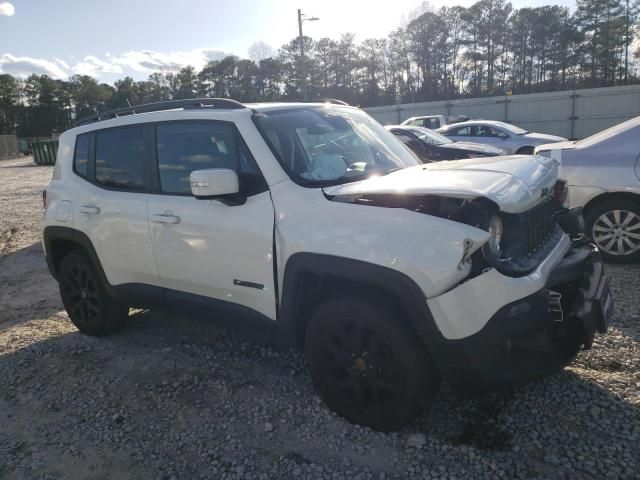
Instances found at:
x=535 y=293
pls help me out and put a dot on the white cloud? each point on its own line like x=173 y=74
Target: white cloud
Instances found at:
x=95 y=67
x=62 y=63
x=137 y=63
x=7 y=9
x=151 y=61
x=25 y=66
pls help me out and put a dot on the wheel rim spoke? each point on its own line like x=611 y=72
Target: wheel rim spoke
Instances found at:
x=616 y=217
x=617 y=232
x=605 y=219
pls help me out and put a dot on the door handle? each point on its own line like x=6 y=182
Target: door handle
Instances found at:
x=90 y=209
x=165 y=218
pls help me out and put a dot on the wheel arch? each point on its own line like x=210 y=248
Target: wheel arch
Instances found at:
x=525 y=147
x=309 y=278
x=60 y=241
x=606 y=196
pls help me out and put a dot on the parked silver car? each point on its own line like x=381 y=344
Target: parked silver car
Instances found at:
x=503 y=135
x=603 y=172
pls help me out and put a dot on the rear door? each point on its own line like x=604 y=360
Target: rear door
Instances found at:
x=206 y=249
x=111 y=206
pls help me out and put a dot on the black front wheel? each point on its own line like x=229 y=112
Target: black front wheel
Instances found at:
x=367 y=365
x=88 y=305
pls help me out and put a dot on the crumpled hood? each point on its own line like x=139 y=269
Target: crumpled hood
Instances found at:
x=515 y=183
x=475 y=147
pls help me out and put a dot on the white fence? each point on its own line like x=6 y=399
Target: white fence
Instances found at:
x=571 y=114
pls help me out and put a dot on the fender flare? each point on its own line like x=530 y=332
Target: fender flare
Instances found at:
x=53 y=233
x=395 y=283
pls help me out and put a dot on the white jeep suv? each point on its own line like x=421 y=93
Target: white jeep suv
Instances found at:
x=391 y=275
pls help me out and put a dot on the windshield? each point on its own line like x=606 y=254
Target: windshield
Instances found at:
x=431 y=137
x=511 y=128
x=329 y=145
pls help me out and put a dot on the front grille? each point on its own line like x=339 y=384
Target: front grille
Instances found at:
x=540 y=223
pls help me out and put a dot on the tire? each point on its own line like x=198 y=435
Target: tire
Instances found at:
x=614 y=226
x=89 y=306
x=367 y=365
x=525 y=151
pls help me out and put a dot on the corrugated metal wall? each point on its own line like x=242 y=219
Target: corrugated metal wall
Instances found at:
x=568 y=114
x=8 y=146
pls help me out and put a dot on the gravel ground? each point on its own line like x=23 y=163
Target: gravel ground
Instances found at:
x=171 y=397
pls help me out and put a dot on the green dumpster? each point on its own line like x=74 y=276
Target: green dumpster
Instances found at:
x=45 y=151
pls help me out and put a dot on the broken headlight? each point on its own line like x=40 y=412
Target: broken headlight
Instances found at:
x=495 y=240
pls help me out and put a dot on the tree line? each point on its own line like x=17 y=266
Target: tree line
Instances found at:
x=486 y=49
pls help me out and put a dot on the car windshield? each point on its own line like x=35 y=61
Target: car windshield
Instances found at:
x=511 y=128
x=431 y=137
x=330 y=145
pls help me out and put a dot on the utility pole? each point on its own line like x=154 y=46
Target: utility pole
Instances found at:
x=303 y=76
x=626 y=47
x=303 y=86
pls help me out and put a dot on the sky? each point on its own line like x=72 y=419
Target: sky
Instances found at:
x=114 y=38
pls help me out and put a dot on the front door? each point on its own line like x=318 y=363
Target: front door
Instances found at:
x=207 y=248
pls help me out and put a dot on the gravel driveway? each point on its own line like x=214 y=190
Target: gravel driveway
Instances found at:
x=171 y=397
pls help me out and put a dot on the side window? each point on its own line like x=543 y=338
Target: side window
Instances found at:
x=463 y=131
x=120 y=157
x=433 y=123
x=488 y=131
x=185 y=147
x=81 y=155
x=419 y=122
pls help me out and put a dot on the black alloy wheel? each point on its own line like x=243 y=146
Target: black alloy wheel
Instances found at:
x=87 y=303
x=367 y=365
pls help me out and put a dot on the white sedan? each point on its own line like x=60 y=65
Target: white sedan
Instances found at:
x=603 y=172
x=498 y=134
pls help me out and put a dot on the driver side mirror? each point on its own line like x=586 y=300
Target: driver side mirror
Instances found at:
x=216 y=184
x=503 y=135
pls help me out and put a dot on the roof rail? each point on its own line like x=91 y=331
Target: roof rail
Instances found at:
x=191 y=103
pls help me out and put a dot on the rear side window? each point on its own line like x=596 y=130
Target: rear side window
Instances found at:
x=432 y=123
x=81 y=155
x=185 y=147
x=463 y=131
x=120 y=157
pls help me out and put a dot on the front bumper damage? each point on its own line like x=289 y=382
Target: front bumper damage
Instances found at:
x=536 y=335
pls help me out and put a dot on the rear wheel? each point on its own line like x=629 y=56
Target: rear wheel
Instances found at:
x=525 y=151
x=367 y=365
x=614 y=225
x=89 y=306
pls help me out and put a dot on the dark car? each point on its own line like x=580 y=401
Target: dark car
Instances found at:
x=430 y=146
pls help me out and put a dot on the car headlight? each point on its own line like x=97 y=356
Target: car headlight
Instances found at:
x=495 y=240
